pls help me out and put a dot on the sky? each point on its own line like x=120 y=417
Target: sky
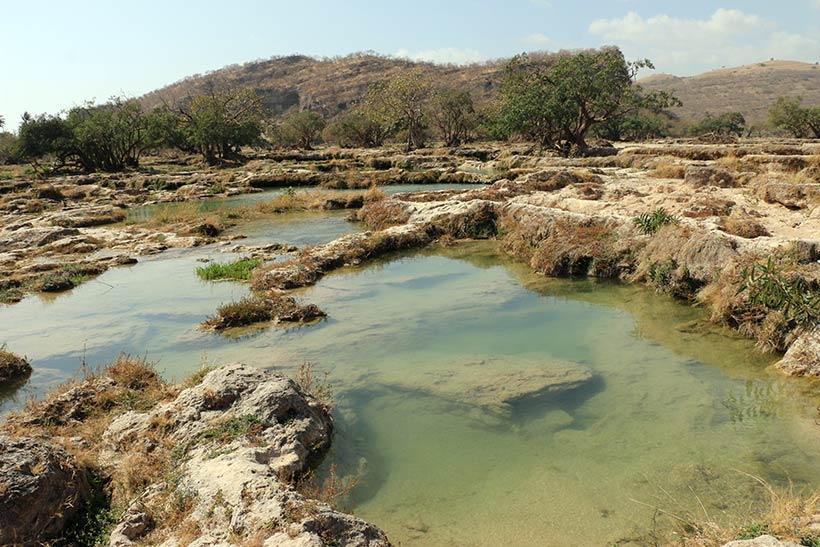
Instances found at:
x=59 y=53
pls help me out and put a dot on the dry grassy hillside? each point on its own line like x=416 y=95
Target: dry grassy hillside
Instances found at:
x=328 y=85
x=331 y=85
x=749 y=89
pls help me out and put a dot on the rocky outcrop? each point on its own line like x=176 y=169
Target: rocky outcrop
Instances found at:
x=803 y=356
x=313 y=263
x=41 y=490
x=242 y=437
x=703 y=175
x=790 y=195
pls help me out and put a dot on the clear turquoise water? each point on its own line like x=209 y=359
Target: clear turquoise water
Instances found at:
x=677 y=411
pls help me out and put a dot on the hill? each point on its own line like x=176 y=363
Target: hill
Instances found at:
x=748 y=89
x=328 y=85
x=332 y=85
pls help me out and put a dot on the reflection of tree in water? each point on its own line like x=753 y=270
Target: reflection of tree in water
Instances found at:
x=756 y=401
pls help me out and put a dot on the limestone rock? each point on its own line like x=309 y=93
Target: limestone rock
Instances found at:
x=803 y=356
x=28 y=238
x=237 y=485
x=494 y=384
x=762 y=541
x=41 y=488
x=703 y=175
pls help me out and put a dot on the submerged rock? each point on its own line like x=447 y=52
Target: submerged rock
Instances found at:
x=495 y=385
x=41 y=489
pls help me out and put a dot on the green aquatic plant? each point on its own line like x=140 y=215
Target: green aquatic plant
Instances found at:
x=770 y=287
x=649 y=223
x=239 y=270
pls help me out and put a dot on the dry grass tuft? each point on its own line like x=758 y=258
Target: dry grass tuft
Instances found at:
x=668 y=169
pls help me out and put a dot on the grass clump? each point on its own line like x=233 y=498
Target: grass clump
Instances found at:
x=256 y=309
x=13 y=368
x=650 y=223
x=239 y=270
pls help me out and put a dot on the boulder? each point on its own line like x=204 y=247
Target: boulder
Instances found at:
x=790 y=195
x=705 y=175
x=244 y=436
x=803 y=356
x=41 y=489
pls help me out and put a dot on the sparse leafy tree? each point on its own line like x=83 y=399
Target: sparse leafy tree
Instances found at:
x=218 y=124
x=556 y=101
x=400 y=104
x=303 y=128
x=355 y=129
x=453 y=114
x=729 y=123
x=787 y=113
x=639 y=126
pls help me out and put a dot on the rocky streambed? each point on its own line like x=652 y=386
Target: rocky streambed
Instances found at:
x=471 y=388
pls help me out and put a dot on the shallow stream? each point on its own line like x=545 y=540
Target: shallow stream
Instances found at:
x=672 y=415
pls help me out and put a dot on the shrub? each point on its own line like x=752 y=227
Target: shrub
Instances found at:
x=650 y=223
x=769 y=287
x=239 y=270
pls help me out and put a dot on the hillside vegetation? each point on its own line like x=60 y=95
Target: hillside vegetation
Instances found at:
x=749 y=89
x=330 y=86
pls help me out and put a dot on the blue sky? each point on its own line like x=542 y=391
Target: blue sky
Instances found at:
x=54 y=54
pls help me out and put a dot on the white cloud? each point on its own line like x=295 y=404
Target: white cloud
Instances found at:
x=539 y=40
x=445 y=55
x=686 y=46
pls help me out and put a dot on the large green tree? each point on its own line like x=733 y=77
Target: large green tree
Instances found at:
x=219 y=123
x=107 y=137
x=788 y=113
x=557 y=100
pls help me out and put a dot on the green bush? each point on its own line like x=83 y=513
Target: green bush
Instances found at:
x=769 y=287
x=649 y=223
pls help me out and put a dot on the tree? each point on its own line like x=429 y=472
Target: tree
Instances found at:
x=303 y=128
x=2 y=121
x=356 y=129
x=400 y=104
x=787 y=113
x=729 y=123
x=556 y=101
x=218 y=124
x=453 y=114
x=639 y=126
x=112 y=136
x=44 y=135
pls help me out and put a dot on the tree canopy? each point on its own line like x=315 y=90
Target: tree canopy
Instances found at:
x=556 y=101
x=789 y=114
